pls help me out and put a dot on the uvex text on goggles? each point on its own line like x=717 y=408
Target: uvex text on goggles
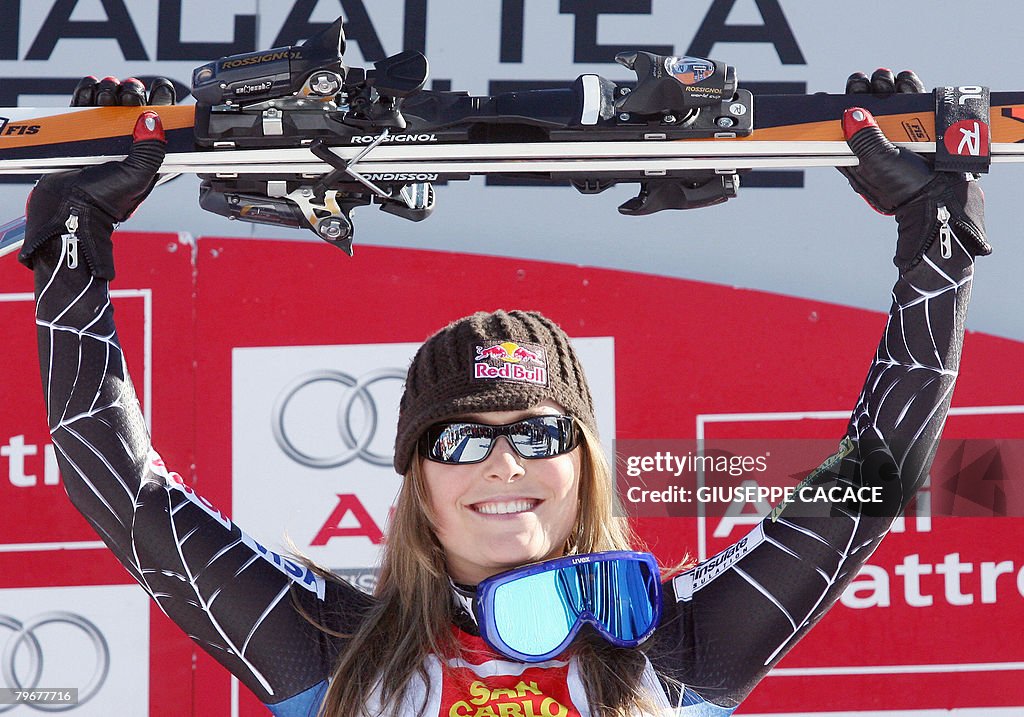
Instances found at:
x=464 y=442
x=532 y=613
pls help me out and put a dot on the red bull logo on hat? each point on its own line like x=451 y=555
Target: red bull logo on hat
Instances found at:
x=511 y=361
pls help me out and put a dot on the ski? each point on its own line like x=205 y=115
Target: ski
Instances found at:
x=292 y=136
x=788 y=135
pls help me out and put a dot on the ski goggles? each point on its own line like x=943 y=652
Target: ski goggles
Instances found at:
x=532 y=613
x=460 y=442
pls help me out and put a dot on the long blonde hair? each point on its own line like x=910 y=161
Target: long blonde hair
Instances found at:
x=414 y=611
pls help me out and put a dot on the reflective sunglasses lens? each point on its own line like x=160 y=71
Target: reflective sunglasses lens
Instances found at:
x=537 y=437
x=543 y=436
x=459 y=443
x=623 y=598
x=533 y=615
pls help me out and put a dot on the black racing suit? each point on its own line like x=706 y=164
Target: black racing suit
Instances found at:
x=235 y=598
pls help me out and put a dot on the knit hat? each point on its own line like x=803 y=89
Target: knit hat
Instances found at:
x=505 y=361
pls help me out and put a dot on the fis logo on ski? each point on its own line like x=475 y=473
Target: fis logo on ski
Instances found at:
x=7 y=129
x=915 y=130
x=511 y=361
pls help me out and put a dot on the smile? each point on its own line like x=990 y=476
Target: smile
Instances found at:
x=510 y=507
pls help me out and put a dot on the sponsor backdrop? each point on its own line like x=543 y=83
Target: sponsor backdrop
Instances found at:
x=275 y=395
x=268 y=370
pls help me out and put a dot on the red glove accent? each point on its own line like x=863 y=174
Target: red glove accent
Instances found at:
x=855 y=119
x=149 y=126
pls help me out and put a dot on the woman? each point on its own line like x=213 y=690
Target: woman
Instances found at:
x=502 y=469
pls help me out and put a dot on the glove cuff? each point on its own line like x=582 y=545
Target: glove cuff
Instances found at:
x=921 y=219
x=93 y=231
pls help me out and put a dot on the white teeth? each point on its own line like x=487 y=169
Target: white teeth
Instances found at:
x=515 y=506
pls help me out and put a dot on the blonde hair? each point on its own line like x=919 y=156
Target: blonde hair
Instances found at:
x=413 y=615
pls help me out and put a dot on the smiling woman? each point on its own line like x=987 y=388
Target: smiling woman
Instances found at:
x=503 y=511
x=498 y=443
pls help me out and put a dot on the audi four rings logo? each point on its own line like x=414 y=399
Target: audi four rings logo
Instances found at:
x=350 y=445
x=23 y=646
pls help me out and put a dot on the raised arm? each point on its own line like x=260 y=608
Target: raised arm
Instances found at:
x=729 y=620
x=234 y=597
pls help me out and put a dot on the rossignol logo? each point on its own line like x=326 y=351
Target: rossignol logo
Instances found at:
x=8 y=129
x=511 y=361
x=367 y=138
x=968 y=138
x=702 y=92
x=258 y=58
x=403 y=177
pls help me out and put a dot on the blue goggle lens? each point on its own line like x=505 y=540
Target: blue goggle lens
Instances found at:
x=533 y=613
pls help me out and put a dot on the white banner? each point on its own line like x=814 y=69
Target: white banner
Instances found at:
x=95 y=639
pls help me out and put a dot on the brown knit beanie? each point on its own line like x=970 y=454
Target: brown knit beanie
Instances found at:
x=505 y=361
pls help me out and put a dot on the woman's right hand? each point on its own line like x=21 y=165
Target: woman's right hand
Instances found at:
x=86 y=203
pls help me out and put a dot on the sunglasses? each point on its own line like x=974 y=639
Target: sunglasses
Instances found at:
x=461 y=443
x=532 y=613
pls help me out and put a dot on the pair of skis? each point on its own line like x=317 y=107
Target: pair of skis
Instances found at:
x=292 y=136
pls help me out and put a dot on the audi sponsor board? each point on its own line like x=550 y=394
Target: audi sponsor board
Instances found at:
x=313 y=442
x=94 y=639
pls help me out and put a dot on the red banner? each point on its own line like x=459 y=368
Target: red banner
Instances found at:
x=45 y=545
x=288 y=415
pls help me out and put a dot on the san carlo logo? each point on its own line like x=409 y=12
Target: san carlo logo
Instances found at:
x=47 y=639
x=327 y=418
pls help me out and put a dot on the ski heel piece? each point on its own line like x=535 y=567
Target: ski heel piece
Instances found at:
x=313 y=69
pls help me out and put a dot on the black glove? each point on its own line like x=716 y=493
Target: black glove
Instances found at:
x=88 y=202
x=897 y=181
x=108 y=92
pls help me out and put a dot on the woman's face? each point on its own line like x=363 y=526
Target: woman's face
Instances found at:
x=504 y=511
